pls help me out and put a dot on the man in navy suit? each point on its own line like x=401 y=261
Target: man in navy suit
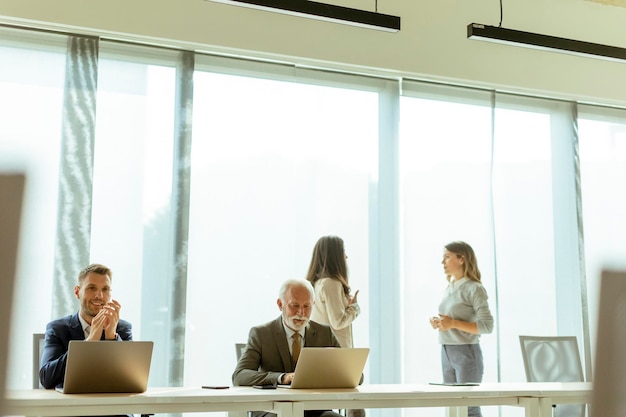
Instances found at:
x=268 y=358
x=98 y=319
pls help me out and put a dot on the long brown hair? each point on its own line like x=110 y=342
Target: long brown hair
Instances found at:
x=329 y=261
x=465 y=251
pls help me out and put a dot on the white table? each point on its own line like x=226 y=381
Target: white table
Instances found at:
x=536 y=398
x=39 y=402
x=554 y=393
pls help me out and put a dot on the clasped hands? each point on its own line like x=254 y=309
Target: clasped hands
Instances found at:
x=442 y=322
x=106 y=320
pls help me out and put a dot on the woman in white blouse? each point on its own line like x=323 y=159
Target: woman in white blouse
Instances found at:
x=328 y=273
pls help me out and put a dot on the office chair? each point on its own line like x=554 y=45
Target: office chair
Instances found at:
x=554 y=359
x=38 y=339
x=239 y=348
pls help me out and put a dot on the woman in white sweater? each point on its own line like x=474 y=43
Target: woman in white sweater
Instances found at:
x=328 y=273
x=463 y=316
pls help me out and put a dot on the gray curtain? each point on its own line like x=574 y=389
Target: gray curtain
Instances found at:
x=76 y=172
x=181 y=195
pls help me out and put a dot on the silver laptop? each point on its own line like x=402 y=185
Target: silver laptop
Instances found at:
x=328 y=367
x=107 y=367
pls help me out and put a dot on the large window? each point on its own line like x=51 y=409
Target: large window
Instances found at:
x=131 y=216
x=602 y=134
x=523 y=227
x=275 y=166
x=477 y=169
x=445 y=163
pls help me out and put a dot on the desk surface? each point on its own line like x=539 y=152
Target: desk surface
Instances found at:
x=169 y=400
x=390 y=391
x=537 y=398
x=41 y=402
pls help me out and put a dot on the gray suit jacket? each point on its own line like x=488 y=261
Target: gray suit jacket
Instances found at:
x=267 y=352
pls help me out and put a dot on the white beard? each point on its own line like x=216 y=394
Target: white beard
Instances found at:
x=296 y=326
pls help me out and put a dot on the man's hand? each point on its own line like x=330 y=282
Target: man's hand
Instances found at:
x=287 y=378
x=106 y=319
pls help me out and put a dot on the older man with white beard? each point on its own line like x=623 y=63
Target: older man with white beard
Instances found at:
x=269 y=355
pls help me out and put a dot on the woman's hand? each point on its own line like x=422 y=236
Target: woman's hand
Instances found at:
x=445 y=323
x=352 y=300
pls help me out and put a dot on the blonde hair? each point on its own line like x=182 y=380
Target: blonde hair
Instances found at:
x=465 y=251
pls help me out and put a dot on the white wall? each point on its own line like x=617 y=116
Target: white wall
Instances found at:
x=431 y=45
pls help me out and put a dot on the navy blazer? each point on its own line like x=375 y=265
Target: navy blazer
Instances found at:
x=267 y=353
x=58 y=335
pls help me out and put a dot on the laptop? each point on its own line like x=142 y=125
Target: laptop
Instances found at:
x=107 y=367
x=329 y=367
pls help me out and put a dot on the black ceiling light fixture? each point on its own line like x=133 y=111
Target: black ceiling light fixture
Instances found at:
x=323 y=11
x=543 y=42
